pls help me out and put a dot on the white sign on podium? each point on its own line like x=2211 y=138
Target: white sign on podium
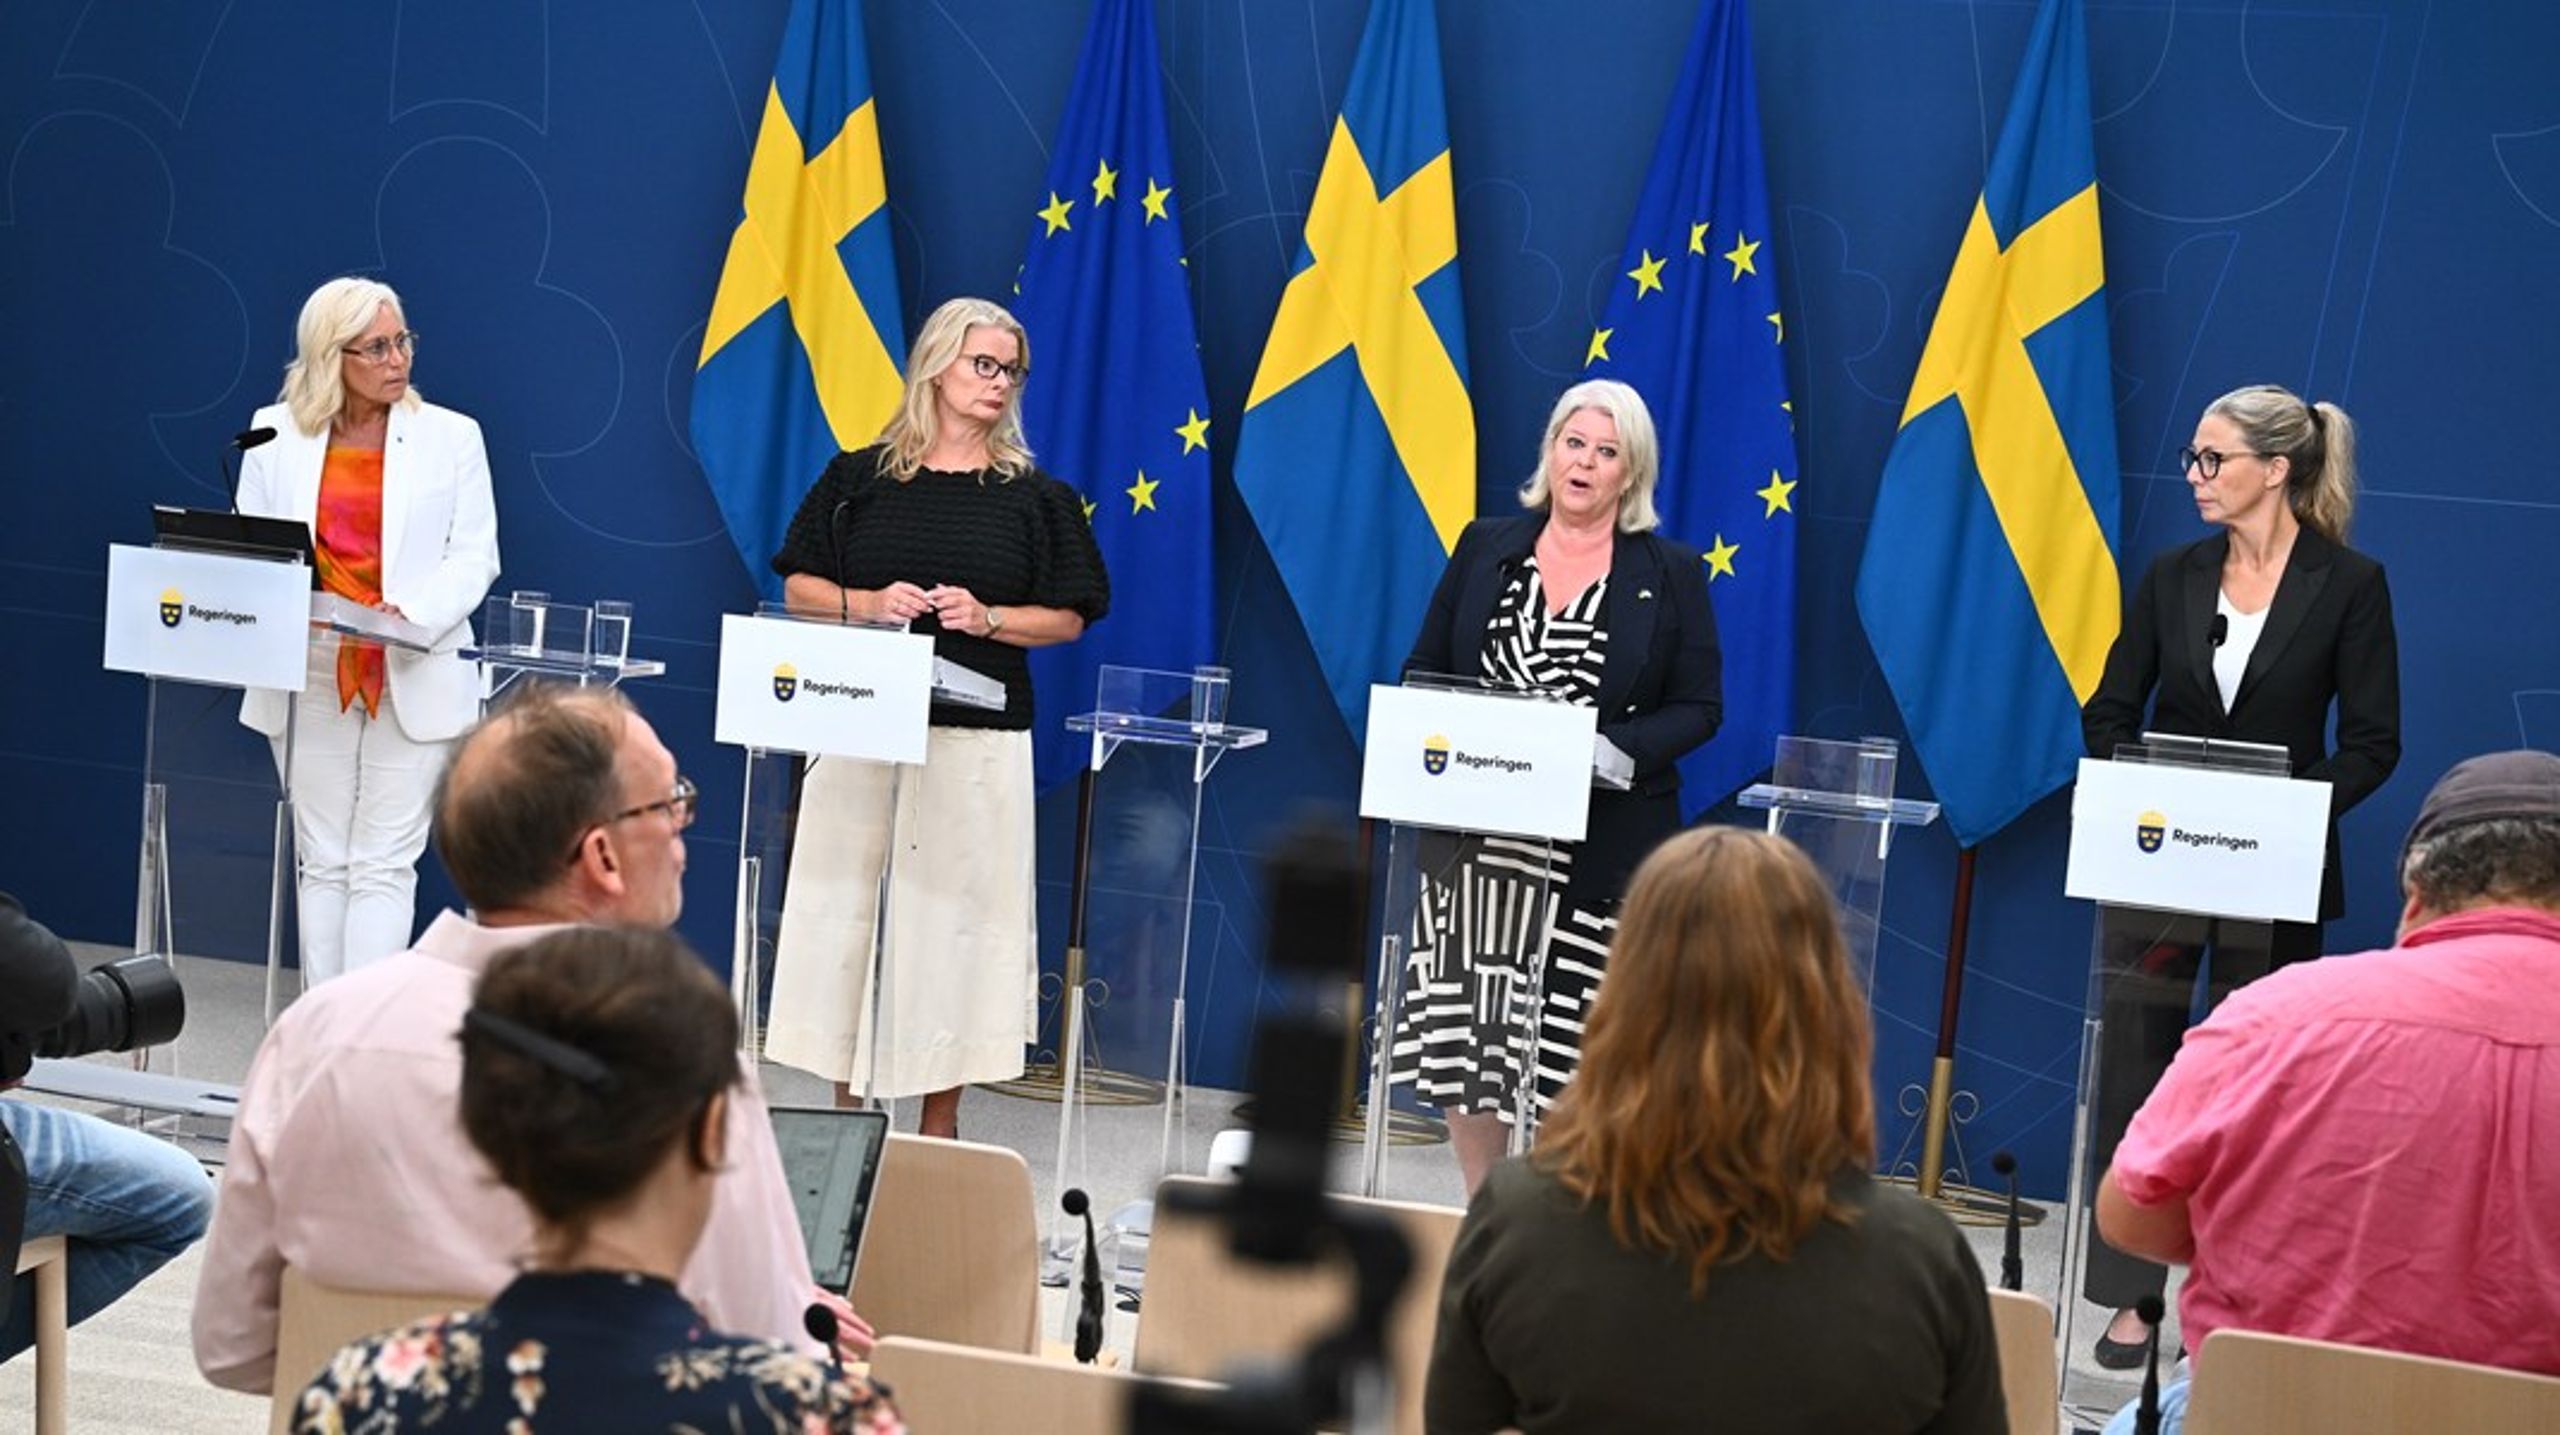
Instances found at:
x=208 y=617
x=1478 y=762
x=2214 y=841
x=823 y=688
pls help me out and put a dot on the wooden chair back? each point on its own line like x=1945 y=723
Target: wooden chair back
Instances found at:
x=2030 y=1371
x=314 y=1321
x=2248 y=1383
x=951 y=1250
x=958 y=1390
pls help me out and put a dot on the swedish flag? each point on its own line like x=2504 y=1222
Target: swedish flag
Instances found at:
x=1357 y=453
x=1695 y=326
x=1119 y=408
x=800 y=357
x=1989 y=586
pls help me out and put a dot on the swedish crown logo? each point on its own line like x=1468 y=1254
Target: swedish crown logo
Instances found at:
x=1435 y=754
x=173 y=606
x=786 y=682
x=2149 y=829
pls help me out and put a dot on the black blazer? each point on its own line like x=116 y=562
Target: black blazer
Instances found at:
x=1661 y=685
x=2328 y=635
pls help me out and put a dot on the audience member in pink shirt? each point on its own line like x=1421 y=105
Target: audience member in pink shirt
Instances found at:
x=2366 y=1149
x=348 y=1159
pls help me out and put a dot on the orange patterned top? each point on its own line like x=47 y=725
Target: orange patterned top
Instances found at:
x=348 y=528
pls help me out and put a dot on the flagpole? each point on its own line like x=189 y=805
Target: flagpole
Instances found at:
x=1967 y=1203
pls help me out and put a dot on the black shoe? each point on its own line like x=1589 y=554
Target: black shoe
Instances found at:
x=2116 y=1354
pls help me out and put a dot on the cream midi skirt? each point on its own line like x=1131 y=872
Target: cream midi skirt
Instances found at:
x=959 y=995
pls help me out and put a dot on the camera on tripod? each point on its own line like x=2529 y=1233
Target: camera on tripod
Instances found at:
x=1277 y=1211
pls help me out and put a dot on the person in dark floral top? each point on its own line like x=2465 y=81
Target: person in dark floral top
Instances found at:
x=596 y=1069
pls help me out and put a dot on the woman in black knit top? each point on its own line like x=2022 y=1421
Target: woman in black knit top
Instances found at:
x=945 y=525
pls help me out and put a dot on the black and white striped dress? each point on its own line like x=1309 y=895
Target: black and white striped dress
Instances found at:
x=1485 y=901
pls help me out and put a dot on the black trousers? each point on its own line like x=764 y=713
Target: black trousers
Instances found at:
x=2151 y=963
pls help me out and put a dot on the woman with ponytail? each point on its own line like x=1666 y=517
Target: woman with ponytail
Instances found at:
x=2254 y=634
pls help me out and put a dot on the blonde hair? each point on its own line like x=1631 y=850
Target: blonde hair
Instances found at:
x=2317 y=443
x=1636 y=444
x=315 y=385
x=911 y=431
x=1723 y=1083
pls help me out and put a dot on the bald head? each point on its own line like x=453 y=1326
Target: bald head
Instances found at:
x=523 y=787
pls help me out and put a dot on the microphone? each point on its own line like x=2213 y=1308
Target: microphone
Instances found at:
x=1089 y=1289
x=835 y=551
x=241 y=442
x=2218 y=630
x=820 y=1322
x=2013 y=1269
x=2146 y=1415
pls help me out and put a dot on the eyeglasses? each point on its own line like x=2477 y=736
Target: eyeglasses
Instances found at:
x=680 y=804
x=986 y=367
x=379 y=351
x=2210 y=460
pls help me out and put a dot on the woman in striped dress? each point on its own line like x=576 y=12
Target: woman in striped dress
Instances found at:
x=1578 y=597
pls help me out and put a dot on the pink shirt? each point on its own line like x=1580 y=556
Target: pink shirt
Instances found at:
x=348 y=1161
x=2370 y=1147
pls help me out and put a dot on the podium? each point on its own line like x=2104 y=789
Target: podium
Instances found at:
x=1114 y=1022
x=2192 y=849
x=201 y=624
x=1475 y=782
x=795 y=690
x=527 y=634
x=1834 y=799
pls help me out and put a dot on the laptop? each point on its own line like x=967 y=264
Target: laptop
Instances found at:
x=245 y=534
x=831 y=1157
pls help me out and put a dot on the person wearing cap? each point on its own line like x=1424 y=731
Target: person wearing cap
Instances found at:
x=2367 y=1149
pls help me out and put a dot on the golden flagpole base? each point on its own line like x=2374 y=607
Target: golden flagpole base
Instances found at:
x=1966 y=1205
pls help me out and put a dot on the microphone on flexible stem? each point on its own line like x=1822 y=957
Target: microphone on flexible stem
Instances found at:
x=820 y=1322
x=2217 y=631
x=835 y=550
x=2146 y=1415
x=2013 y=1269
x=242 y=442
x=1089 y=1289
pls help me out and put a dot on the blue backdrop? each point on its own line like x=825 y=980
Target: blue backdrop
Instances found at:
x=2357 y=198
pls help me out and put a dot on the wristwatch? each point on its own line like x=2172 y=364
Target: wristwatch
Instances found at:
x=995 y=622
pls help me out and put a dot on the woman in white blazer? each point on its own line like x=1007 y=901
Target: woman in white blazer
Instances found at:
x=396 y=492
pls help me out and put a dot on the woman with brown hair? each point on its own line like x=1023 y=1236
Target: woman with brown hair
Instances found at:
x=1695 y=1242
x=597 y=1067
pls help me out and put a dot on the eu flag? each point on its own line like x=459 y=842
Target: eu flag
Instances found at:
x=801 y=354
x=1117 y=406
x=1695 y=326
x=1357 y=454
x=1989 y=587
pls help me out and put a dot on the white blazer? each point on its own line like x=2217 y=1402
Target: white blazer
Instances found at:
x=439 y=545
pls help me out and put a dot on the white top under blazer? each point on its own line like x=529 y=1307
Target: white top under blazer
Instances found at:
x=439 y=547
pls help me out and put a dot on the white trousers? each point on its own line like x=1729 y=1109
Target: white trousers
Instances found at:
x=361 y=796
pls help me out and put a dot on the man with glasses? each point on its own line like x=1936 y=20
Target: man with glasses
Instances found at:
x=348 y=1160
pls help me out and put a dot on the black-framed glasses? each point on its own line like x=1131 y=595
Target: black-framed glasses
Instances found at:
x=986 y=366
x=680 y=804
x=380 y=350
x=2210 y=460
